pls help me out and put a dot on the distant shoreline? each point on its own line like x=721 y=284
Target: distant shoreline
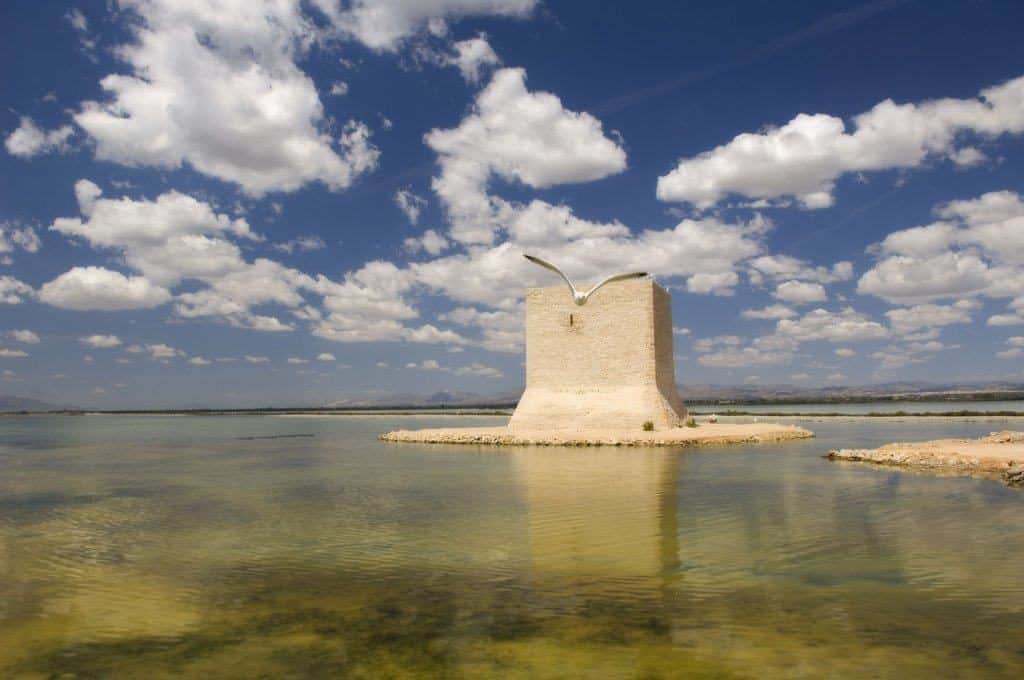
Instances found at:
x=507 y=411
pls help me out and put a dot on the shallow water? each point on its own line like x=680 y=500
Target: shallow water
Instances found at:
x=870 y=407
x=171 y=547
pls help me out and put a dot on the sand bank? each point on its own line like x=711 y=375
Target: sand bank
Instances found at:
x=706 y=435
x=1001 y=455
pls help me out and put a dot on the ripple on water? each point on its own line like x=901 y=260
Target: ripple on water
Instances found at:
x=173 y=549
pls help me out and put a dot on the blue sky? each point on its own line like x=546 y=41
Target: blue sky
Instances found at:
x=283 y=202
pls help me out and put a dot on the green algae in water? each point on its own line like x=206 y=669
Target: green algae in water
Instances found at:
x=168 y=547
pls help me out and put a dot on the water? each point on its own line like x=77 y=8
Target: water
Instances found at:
x=870 y=407
x=157 y=547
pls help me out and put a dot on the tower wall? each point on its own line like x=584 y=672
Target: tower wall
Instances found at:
x=607 y=364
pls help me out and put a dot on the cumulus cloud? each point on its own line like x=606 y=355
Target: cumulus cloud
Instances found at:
x=410 y=204
x=199 y=361
x=736 y=357
x=769 y=312
x=325 y=356
x=384 y=24
x=100 y=341
x=909 y=319
x=14 y=236
x=161 y=351
x=98 y=288
x=430 y=242
x=784 y=267
x=215 y=85
x=474 y=369
x=472 y=57
x=30 y=140
x=301 y=244
x=1015 y=348
x=517 y=135
x=977 y=249
x=847 y=325
x=12 y=353
x=24 y=336
x=800 y=292
x=805 y=157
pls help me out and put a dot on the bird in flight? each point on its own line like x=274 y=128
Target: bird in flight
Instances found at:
x=580 y=298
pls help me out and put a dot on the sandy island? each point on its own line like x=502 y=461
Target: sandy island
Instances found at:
x=706 y=434
x=999 y=455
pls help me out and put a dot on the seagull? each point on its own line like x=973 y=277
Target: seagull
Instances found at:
x=578 y=297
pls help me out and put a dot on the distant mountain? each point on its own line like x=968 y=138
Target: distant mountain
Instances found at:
x=437 y=399
x=10 y=403
x=911 y=390
x=726 y=394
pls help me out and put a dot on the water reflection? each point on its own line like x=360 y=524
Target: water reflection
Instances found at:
x=160 y=548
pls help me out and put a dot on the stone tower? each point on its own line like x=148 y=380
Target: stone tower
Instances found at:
x=607 y=364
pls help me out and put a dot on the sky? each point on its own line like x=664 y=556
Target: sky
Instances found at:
x=285 y=202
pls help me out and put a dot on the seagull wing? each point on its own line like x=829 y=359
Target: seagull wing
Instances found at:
x=614 y=277
x=548 y=265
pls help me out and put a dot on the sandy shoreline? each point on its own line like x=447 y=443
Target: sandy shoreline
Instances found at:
x=707 y=434
x=999 y=455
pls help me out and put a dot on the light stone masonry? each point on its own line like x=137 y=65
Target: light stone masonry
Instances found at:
x=608 y=364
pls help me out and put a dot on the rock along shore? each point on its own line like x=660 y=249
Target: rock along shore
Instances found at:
x=707 y=434
x=999 y=455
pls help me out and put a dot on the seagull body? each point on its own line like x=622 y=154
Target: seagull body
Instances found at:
x=580 y=298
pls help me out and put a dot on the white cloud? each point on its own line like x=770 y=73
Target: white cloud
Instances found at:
x=735 y=357
x=806 y=156
x=910 y=319
x=215 y=84
x=15 y=236
x=517 y=135
x=256 y=359
x=297 y=360
x=679 y=330
x=479 y=370
x=1006 y=320
x=903 y=279
x=785 y=267
x=177 y=238
x=718 y=283
x=12 y=353
x=100 y=341
x=410 y=204
x=837 y=327
x=769 y=312
x=977 y=250
x=500 y=330
x=161 y=351
x=800 y=292
x=339 y=88
x=13 y=291
x=301 y=244
x=385 y=24
x=29 y=140
x=23 y=336
x=325 y=356
x=430 y=242
x=77 y=19
x=199 y=361
x=472 y=57
x=844 y=352
x=97 y=288
x=708 y=344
